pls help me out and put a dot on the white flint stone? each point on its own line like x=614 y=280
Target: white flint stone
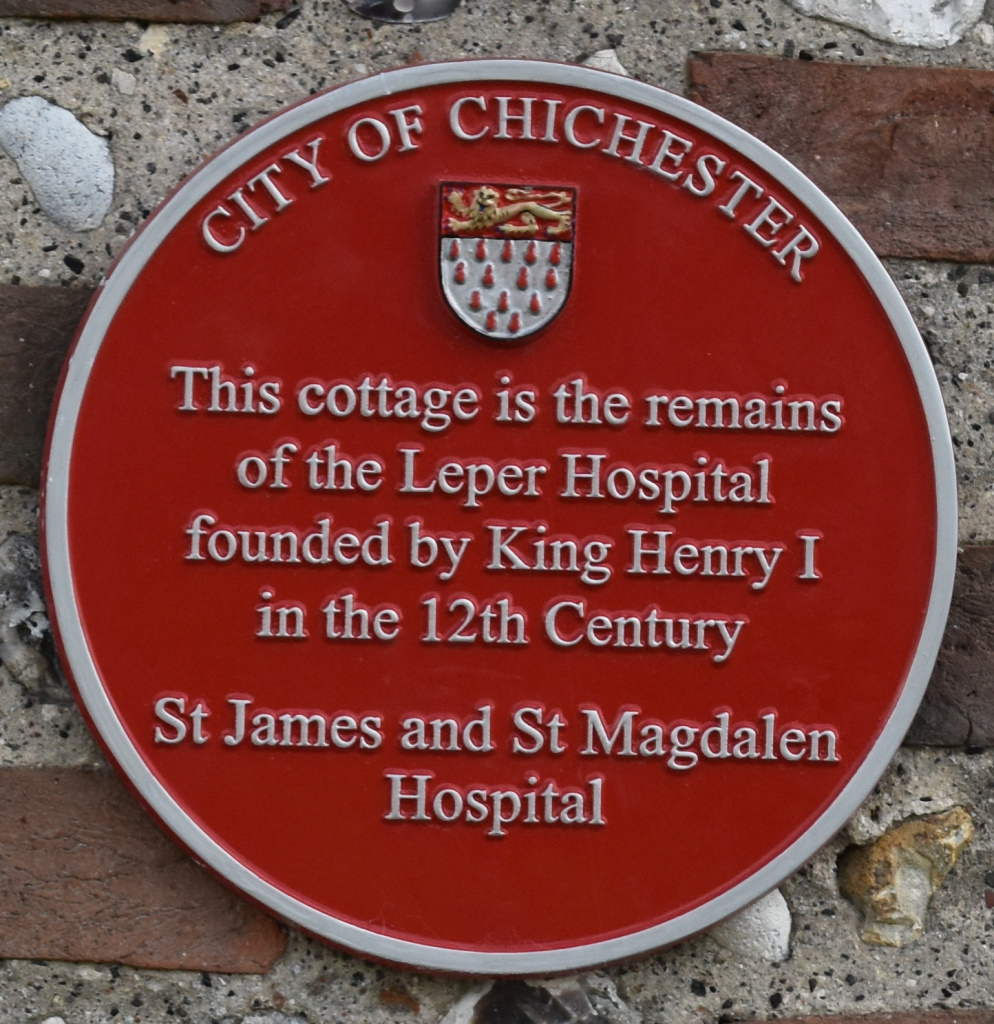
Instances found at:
x=272 y=1018
x=984 y=33
x=911 y=22
x=606 y=60
x=892 y=880
x=123 y=81
x=761 y=931
x=153 y=40
x=570 y=1000
x=69 y=169
x=464 y=1009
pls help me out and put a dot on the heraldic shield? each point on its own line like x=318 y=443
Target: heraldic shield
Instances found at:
x=506 y=255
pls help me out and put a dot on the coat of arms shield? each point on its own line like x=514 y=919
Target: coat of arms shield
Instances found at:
x=506 y=255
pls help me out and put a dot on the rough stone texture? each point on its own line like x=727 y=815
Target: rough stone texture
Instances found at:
x=901 y=21
x=830 y=970
x=69 y=169
x=26 y=650
x=270 y=1018
x=84 y=875
x=36 y=327
x=958 y=708
x=590 y=999
x=606 y=60
x=893 y=879
x=403 y=11
x=189 y=11
x=907 y=153
x=953 y=305
x=760 y=931
x=903 y=796
x=933 y=1017
x=39 y=721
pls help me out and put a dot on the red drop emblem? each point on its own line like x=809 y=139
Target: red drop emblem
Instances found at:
x=531 y=253
x=555 y=257
x=454 y=249
x=551 y=279
x=523 y=278
x=481 y=250
x=488 y=276
x=491 y=322
x=460 y=274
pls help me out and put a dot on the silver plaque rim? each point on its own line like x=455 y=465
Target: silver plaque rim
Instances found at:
x=98 y=706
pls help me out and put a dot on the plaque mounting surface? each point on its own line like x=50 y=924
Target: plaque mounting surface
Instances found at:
x=515 y=631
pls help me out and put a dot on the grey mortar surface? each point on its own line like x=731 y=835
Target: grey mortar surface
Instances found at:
x=163 y=114
x=953 y=305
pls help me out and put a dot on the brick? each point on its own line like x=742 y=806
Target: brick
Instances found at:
x=189 y=11
x=86 y=875
x=958 y=709
x=36 y=327
x=906 y=152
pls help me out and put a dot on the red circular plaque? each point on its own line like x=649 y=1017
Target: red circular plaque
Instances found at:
x=499 y=516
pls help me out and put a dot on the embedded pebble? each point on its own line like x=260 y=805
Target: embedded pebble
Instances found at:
x=577 y=999
x=607 y=60
x=761 y=931
x=69 y=169
x=123 y=81
x=405 y=11
x=153 y=40
x=272 y=1018
x=984 y=33
x=910 y=22
x=892 y=880
x=463 y=1010
x=25 y=632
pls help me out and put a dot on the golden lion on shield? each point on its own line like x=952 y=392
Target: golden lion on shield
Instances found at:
x=484 y=211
